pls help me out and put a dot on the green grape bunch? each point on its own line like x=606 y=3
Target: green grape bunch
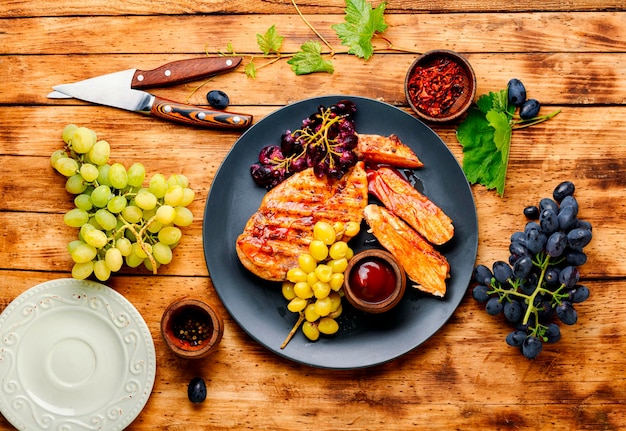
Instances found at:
x=119 y=218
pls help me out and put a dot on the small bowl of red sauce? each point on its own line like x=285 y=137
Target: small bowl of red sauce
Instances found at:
x=374 y=282
x=440 y=86
x=191 y=328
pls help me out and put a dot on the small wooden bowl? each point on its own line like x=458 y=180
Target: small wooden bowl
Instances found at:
x=378 y=304
x=196 y=312
x=431 y=68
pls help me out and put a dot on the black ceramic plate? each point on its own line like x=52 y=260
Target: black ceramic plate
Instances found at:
x=363 y=340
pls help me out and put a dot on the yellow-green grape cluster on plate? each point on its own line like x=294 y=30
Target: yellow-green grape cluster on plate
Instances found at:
x=315 y=287
x=120 y=219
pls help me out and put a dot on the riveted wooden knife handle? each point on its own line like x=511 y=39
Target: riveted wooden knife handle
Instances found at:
x=178 y=72
x=198 y=116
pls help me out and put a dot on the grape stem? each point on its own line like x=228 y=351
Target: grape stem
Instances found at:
x=542 y=261
x=293 y=330
x=321 y=135
x=518 y=123
x=139 y=236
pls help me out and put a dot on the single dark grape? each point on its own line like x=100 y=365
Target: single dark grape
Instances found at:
x=566 y=313
x=270 y=154
x=552 y=276
x=335 y=172
x=553 y=333
x=567 y=217
x=349 y=142
x=579 y=294
x=479 y=293
x=347 y=128
x=517 y=250
x=575 y=257
x=298 y=164
x=287 y=143
x=519 y=237
x=578 y=238
x=502 y=271
x=528 y=286
x=570 y=201
x=566 y=188
x=516 y=338
x=522 y=267
x=555 y=246
x=569 y=276
x=531 y=212
x=512 y=311
x=261 y=174
x=535 y=240
x=529 y=109
x=345 y=107
x=531 y=225
x=548 y=221
x=347 y=159
x=217 y=99
x=547 y=203
x=494 y=306
x=516 y=92
x=482 y=275
x=196 y=391
x=531 y=347
x=320 y=169
x=584 y=224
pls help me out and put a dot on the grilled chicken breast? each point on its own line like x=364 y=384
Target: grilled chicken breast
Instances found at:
x=421 y=262
x=282 y=227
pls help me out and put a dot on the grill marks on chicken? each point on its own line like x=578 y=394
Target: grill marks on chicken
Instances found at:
x=282 y=227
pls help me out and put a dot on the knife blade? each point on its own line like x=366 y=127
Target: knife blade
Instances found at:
x=122 y=90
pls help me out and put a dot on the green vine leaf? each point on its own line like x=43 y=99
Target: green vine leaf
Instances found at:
x=270 y=42
x=309 y=60
x=362 y=21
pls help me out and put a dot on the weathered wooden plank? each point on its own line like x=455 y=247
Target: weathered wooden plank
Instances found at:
x=547 y=32
x=16 y=8
x=559 y=78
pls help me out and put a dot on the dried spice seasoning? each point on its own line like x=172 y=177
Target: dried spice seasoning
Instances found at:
x=191 y=327
x=434 y=88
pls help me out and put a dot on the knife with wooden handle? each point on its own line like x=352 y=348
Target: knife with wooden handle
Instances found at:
x=124 y=90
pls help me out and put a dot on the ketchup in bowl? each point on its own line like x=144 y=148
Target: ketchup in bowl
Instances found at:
x=374 y=281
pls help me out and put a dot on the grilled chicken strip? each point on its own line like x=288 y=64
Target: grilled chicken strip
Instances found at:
x=402 y=199
x=282 y=227
x=421 y=262
x=386 y=150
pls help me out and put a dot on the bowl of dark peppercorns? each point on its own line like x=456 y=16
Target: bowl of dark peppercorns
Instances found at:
x=191 y=328
x=440 y=86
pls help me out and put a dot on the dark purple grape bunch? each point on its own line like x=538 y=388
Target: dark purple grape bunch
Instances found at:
x=326 y=142
x=539 y=284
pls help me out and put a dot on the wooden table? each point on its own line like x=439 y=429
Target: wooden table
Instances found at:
x=571 y=55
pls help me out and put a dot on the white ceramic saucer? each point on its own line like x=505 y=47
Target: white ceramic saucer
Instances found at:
x=74 y=355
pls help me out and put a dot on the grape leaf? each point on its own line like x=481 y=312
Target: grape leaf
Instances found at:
x=310 y=60
x=362 y=21
x=485 y=135
x=250 y=70
x=271 y=41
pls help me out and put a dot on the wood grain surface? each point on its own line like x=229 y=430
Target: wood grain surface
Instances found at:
x=571 y=56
